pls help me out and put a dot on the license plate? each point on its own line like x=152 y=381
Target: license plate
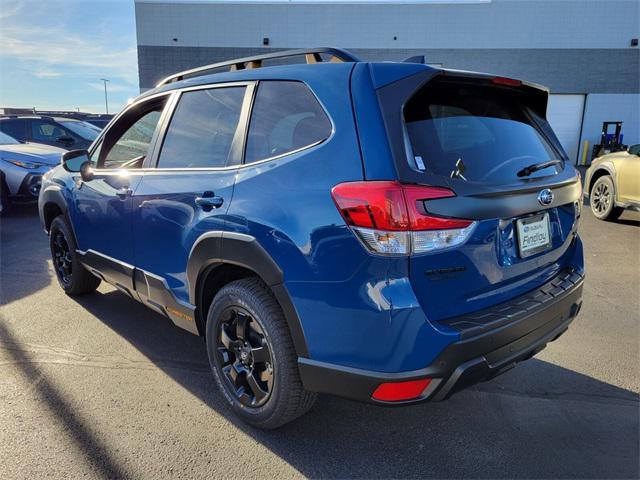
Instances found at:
x=534 y=234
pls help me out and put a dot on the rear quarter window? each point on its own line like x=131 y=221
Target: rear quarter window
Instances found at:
x=286 y=117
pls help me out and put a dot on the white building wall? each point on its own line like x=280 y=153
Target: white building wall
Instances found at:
x=419 y=24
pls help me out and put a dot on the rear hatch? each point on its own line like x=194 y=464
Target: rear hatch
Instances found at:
x=486 y=140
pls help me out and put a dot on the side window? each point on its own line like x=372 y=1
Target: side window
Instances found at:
x=14 y=128
x=126 y=144
x=286 y=117
x=43 y=131
x=202 y=128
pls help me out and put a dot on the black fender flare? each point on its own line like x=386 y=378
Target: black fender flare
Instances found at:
x=219 y=248
x=52 y=194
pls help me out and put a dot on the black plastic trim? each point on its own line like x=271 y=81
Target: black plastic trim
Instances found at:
x=113 y=271
x=50 y=195
x=219 y=248
x=505 y=204
x=154 y=292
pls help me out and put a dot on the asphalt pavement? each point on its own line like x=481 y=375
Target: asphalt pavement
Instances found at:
x=101 y=387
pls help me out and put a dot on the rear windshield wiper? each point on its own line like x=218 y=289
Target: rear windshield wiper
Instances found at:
x=526 y=171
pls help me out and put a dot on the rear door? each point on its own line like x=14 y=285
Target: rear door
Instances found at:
x=188 y=191
x=477 y=137
x=628 y=176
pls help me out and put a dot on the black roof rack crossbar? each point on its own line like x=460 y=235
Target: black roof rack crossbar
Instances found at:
x=311 y=56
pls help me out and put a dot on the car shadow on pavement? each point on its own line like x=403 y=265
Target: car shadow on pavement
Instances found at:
x=538 y=421
x=628 y=221
x=24 y=256
x=60 y=407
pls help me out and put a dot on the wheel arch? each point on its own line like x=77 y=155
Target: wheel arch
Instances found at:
x=51 y=203
x=218 y=258
x=604 y=169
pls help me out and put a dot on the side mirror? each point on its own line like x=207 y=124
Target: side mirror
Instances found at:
x=634 y=149
x=77 y=161
x=86 y=171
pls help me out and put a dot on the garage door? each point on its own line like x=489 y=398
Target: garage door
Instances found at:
x=565 y=116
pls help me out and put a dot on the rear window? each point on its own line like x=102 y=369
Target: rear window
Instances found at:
x=476 y=133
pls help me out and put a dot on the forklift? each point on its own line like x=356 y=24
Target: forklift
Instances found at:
x=609 y=142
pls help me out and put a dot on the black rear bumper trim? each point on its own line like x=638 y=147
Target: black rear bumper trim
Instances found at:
x=463 y=363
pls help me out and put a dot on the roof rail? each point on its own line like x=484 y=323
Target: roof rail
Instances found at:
x=311 y=56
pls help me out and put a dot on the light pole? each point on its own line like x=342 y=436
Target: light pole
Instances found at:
x=106 y=103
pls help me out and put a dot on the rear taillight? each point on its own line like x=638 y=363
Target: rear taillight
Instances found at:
x=390 y=218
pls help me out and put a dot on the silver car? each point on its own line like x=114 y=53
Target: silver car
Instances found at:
x=21 y=168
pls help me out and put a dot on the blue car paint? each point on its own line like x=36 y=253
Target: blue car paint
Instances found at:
x=167 y=222
x=356 y=309
x=102 y=220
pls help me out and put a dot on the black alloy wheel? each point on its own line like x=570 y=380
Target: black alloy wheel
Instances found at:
x=72 y=276
x=244 y=357
x=62 y=259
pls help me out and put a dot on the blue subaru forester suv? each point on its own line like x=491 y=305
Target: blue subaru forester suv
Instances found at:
x=386 y=232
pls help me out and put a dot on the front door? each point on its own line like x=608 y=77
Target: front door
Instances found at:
x=102 y=207
x=187 y=194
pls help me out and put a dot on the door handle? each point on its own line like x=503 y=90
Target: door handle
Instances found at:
x=123 y=193
x=209 y=201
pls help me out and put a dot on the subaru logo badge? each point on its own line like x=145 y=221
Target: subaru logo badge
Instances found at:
x=545 y=197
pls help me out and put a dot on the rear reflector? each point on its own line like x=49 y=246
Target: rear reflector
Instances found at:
x=395 y=392
x=390 y=217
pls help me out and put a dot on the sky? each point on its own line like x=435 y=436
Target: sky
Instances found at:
x=53 y=54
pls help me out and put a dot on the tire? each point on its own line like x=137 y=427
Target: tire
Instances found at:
x=274 y=371
x=602 y=199
x=5 y=201
x=71 y=274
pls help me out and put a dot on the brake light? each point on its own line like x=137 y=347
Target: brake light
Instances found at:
x=390 y=217
x=510 y=82
x=398 y=391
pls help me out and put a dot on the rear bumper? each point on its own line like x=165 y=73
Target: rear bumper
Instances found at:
x=491 y=342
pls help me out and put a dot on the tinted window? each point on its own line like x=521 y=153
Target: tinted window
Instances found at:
x=132 y=146
x=487 y=128
x=82 y=129
x=286 y=116
x=7 y=140
x=202 y=129
x=43 y=131
x=14 y=128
